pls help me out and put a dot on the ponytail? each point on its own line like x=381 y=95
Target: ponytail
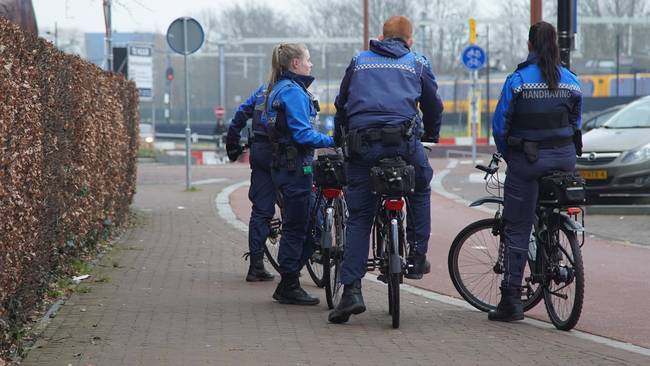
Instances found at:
x=543 y=40
x=281 y=58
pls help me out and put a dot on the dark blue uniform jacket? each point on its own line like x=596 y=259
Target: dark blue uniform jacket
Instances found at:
x=384 y=85
x=528 y=109
x=253 y=108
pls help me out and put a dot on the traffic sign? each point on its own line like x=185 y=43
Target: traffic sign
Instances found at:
x=473 y=57
x=219 y=112
x=185 y=28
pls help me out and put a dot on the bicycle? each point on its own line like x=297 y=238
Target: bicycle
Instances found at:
x=392 y=180
x=327 y=226
x=554 y=268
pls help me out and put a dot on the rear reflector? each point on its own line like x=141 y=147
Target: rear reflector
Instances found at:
x=573 y=210
x=330 y=193
x=394 y=205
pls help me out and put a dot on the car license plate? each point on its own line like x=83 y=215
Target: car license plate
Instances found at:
x=593 y=174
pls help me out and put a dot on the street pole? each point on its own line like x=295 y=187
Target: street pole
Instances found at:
x=222 y=75
x=474 y=112
x=564 y=31
x=56 y=35
x=618 y=62
x=108 y=39
x=487 y=81
x=365 y=25
x=536 y=11
x=188 y=131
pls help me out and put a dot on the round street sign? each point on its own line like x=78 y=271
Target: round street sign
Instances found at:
x=176 y=34
x=473 y=57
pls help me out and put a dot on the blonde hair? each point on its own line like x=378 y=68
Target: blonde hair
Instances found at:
x=281 y=58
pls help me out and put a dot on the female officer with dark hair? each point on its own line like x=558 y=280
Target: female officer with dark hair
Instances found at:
x=290 y=111
x=537 y=129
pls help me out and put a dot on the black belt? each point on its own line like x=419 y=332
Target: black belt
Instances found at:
x=518 y=142
x=555 y=143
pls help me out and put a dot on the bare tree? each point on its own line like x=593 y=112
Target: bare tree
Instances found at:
x=599 y=40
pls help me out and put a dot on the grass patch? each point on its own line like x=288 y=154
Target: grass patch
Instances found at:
x=149 y=152
x=102 y=278
x=192 y=189
x=84 y=289
x=80 y=267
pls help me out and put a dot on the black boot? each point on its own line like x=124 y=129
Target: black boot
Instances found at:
x=290 y=292
x=417 y=266
x=351 y=303
x=256 y=270
x=510 y=307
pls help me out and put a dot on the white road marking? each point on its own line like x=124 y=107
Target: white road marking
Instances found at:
x=209 y=181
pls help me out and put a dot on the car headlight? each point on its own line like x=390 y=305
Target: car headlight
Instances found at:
x=637 y=155
x=148 y=139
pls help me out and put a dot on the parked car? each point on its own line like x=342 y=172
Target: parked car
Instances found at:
x=598 y=119
x=616 y=157
x=146 y=135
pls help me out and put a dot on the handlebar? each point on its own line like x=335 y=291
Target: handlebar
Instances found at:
x=493 y=167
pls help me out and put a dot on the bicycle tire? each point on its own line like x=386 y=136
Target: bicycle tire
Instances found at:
x=486 y=243
x=315 y=262
x=552 y=307
x=272 y=243
x=333 y=285
x=393 y=298
x=394 y=279
x=315 y=268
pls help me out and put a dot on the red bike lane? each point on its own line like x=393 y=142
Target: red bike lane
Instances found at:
x=617 y=291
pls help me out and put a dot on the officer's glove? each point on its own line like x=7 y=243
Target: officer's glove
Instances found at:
x=430 y=137
x=233 y=150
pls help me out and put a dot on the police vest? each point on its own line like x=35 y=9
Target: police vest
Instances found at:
x=276 y=119
x=540 y=113
x=259 y=120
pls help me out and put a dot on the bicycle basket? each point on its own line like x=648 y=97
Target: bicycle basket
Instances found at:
x=392 y=177
x=329 y=171
x=561 y=189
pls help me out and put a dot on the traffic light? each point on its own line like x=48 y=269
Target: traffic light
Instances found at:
x=170 y=74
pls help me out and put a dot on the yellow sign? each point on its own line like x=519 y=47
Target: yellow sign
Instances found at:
x=593 y=174
x=472 y=31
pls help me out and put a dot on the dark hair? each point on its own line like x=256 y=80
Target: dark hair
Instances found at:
x=543 y=40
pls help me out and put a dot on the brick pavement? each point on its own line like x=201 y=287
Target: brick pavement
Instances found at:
x=177 y=296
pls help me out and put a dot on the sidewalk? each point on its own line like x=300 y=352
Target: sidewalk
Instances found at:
x=178 y=297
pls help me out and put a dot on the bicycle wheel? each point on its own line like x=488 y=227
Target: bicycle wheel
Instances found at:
x=315 y=262
x=333 y=285
x=564 y=291
x=272 y=244
x=394 y=278
x=472 y=260
x=393 y=297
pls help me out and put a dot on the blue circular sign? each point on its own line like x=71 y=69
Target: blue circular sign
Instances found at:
x=473 y=57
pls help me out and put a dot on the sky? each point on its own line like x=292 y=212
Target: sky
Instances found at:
x=144 y=15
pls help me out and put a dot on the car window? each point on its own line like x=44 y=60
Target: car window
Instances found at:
x=634 y=115
x=600 y=120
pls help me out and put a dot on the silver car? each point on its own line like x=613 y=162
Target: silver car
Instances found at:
x=616 y=158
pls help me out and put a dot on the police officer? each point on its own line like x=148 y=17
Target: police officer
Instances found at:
x=261 y=192
x=537 y=129
x=382 y=88
x=291 y=110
